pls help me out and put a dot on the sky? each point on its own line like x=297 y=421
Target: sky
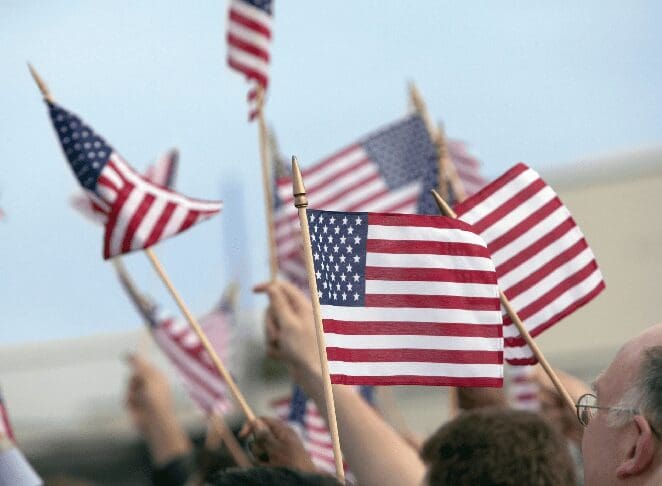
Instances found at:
x=547 y=84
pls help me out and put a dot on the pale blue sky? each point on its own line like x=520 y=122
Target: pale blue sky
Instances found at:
x=518 y=80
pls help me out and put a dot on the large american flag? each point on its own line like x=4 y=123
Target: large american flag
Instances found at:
x=303 y=416
x=249 y=43
x=390 y=170
x=139 y=213
x=5 y=425
x=406 y=300
x=544 y=265
x=162 y=173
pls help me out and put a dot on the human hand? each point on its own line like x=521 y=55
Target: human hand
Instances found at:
x=150 y=406
x=290 y=326
x=278 y=445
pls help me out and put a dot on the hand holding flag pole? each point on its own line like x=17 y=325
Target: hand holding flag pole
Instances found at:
x=301 y=203
x=446 y=210
x=117 y=242
x=448 y=177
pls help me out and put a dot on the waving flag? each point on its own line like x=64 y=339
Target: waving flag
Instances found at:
x=302 y=415
x=183 y=348
x=139 y=214
x=406 y=300
x=162 y=173
x=544 y=265
x=391 y=170
x=5 y=425
x=249 y=42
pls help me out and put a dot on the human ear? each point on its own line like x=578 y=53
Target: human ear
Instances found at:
x=642 y=452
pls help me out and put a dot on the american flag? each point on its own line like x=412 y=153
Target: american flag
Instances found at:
x=406 y=300
x=304 y=417
x=5 y=425
x=544 y=265
x=185 y=351
x=139 y=213
x=522 y=388
x=467 y=167
x=249 y=42
x=391 y=170
x=162 y=173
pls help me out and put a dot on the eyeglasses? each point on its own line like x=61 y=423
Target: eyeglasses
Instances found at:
x=587 y=409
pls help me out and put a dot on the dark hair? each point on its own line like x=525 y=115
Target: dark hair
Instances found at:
x=275 y=476
x=497 y=447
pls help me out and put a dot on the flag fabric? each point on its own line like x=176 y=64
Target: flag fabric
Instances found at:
x=302 y=415
x=406 y=300
x=139 y=213
x=390 y=170
x=249 y=43
x=5 y=425
x=467 y=167
x=15 y=470
x=185 y=351
x=522 y=388
x=162 y=173
x=544 y=264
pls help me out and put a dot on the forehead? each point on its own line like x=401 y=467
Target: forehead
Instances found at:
x=622 y=372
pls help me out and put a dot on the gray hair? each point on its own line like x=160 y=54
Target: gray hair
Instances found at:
x=645 y=396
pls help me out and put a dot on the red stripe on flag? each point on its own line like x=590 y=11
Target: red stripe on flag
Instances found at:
x=249 y=72
x=413 y=356
x=433 y=302
x=191 y=218
x=249 y=23
x=416 y=380
x=161 y=224
x=418 y=220
x=489 y=190
x=115 y=210
x=136 y=219
x=243 y=45
x=430 y=275
x=509 y=205
x=423 y=247
x=411 y=328
x=525 y=225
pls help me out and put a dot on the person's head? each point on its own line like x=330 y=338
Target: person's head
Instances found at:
x=497 y=446
x=621 y=443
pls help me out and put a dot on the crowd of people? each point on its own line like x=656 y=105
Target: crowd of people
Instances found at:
x=612 y=438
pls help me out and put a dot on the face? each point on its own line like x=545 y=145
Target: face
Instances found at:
x=604 y=447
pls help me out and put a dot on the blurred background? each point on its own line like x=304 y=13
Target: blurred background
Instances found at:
x=575 y=91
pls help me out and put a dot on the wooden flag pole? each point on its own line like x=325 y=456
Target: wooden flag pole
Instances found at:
x=446 y=210
x=266 y=183
x=40 y=83
x=301 y=203
x=447 y=173
x=234 y=389
x=145 y=337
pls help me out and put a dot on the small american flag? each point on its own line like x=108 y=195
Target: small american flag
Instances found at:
x=185 y=351
x=303 y=416
x=406 y=300
x=139 y=213
x=522 y=389
x=391 y=170
x=544 y=265
x=162 y=173
x=5 y=425
x=249 y=42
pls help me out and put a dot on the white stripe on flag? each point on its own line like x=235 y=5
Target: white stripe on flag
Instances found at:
x=416 y=369
x=369 y=341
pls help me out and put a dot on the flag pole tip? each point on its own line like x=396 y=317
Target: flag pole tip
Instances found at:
x=40 y=83
x=298 y=189
x=443 y=205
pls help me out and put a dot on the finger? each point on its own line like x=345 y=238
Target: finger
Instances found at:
x=261 y=287
x=271 y=326
x=246 y=430
x=282 y=309
x=297 y=299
